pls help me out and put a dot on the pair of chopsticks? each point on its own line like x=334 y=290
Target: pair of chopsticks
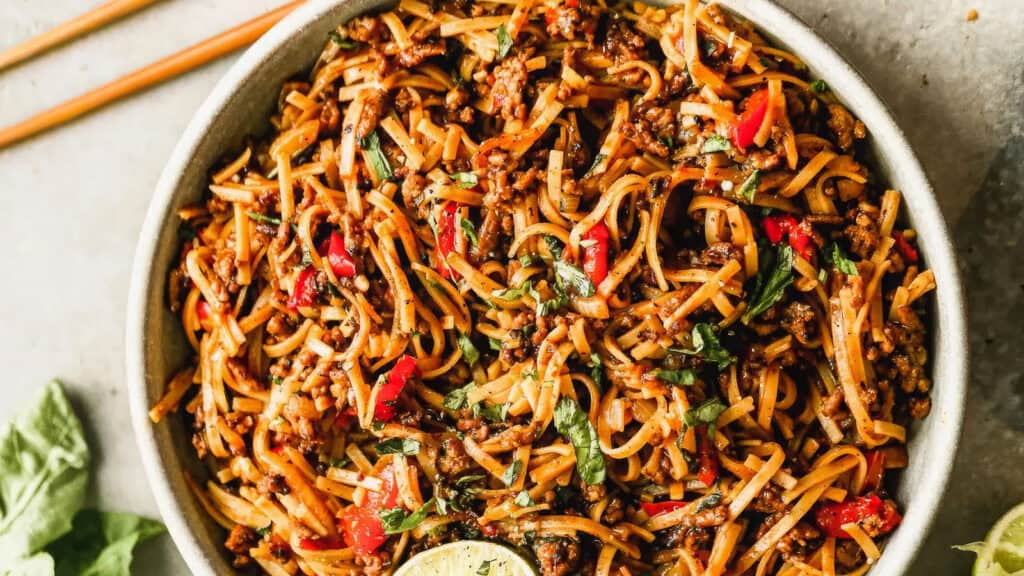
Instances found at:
x=161 y=71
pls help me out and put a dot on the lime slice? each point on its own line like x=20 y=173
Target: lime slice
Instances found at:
x=467 y=558
x=1002 y=552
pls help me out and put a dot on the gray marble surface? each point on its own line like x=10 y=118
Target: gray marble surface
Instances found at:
x=75 y=198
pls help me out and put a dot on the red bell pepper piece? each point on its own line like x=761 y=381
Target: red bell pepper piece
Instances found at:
x=446 y=234
x=322 y=543
x=798 y=232
x=832 y=516
x=876 y=469
x=400 y=374
x=205 y=314
x=362 y=526
x=338 y=257
x=750 y=120
x=305 y=289
x=595 y=253
x=908 y=251
x=707 y=470
x=345 y=418
x=655 y=508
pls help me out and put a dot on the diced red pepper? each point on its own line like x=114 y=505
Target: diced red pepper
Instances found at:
x=750 y=120
x=876 y=469
x=908 y=251
x=655 y=508
x=489 y=530
x=322 y=543
x=447 y=230
x=277 y=449
x=832 y=516
x=798 y=232
x=205 y=314
x=404 y=370
x=338 y=257
x=707 y=469
x=363 y=530
x=345 y=418
x=595 y=253
x=305 y=289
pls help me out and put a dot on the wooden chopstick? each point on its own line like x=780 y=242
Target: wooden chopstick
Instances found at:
x=62 y=33
x=170 y=67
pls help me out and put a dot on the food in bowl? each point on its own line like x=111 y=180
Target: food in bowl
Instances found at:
x=610 y=285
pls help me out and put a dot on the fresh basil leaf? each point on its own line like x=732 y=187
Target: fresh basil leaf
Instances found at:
x=704 y=413
x=504 y=42
x=684 y=377
x=515 y=293
x=469 y=352
x=344 y=43
x=101 y=543
x=45 y=468
x=494 y=344
x=406 y=446
x=529 y=260
x=771 y=290
x=572 y=423
x=469 y=479
x=470 y=231
x=573 y=277
x=495 y=413
x=834 y=256
x=709 y=502
x=715 y=143
x=456 y=399
x=465 y=179
x=819 y=86
x=596 y=364
x=748 y=189
x=512 y=472
x=395 y=520
x=485 y=568
x=523 y=499
x=707 y=345
x=379 y=162
x=263 y=218
x=555 y=246
x=668 y=141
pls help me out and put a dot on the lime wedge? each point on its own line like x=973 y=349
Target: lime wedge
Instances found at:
x=1002 y=552
x=467 y=558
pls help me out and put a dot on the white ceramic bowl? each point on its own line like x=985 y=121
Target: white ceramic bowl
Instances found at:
x=240 y=105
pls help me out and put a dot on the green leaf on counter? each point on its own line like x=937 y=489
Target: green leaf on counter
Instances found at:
x=101 y=543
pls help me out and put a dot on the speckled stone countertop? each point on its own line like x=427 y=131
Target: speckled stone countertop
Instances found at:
x=74 y=201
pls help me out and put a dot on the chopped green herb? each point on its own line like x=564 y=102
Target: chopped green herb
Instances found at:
x=704 y=413
x=515 y=293
x=684 y=377
x=715 y=143
x=469 y=352
x=554 y=245
x=276 y=380
x=340 y=462
x=344 y=43
x=470 y=231
x=710 y=47
x=570 y=276
x=262 y=218
x=834 y=256
x=396 y=521
x=496 y=413
x=469 y=479
x=819 y=86
x=709 y=502
x=597 y=162
x=371 y=143
x=523 y=499
x=529 y=260
x=668 y=141
x=769 y=291
x=596 y=364
x=485 y=568
x=406 y=446
x=531 y=374
x=494 y=344
x=707 y=345
x=822 y=276
x=456 y=399
x=265 y=530
x=465 y=179
x=748 y=189
x=572 y=422
x=512 y=472
x=504 y=42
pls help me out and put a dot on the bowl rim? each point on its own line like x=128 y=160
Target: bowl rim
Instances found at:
x=767 y=17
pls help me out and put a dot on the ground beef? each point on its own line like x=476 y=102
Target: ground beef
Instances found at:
x=623 y=44
x=224 y=268
x=272 y=484
x=709 y=518
x=452 y=459
x=719 y=254
x=798 y=542
x=570 y=23
x=649 y=127
x=863 y=234
x=455 y=105
x=510 y=78
x=919 y=407
x=373 y=109
x=832 y=405
x=330 y=116
x=557 y=556
x=240 y=540
x=415 y=54
x=800 y=320
x=366 y=29
x=845 y=126
x=768 y=501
